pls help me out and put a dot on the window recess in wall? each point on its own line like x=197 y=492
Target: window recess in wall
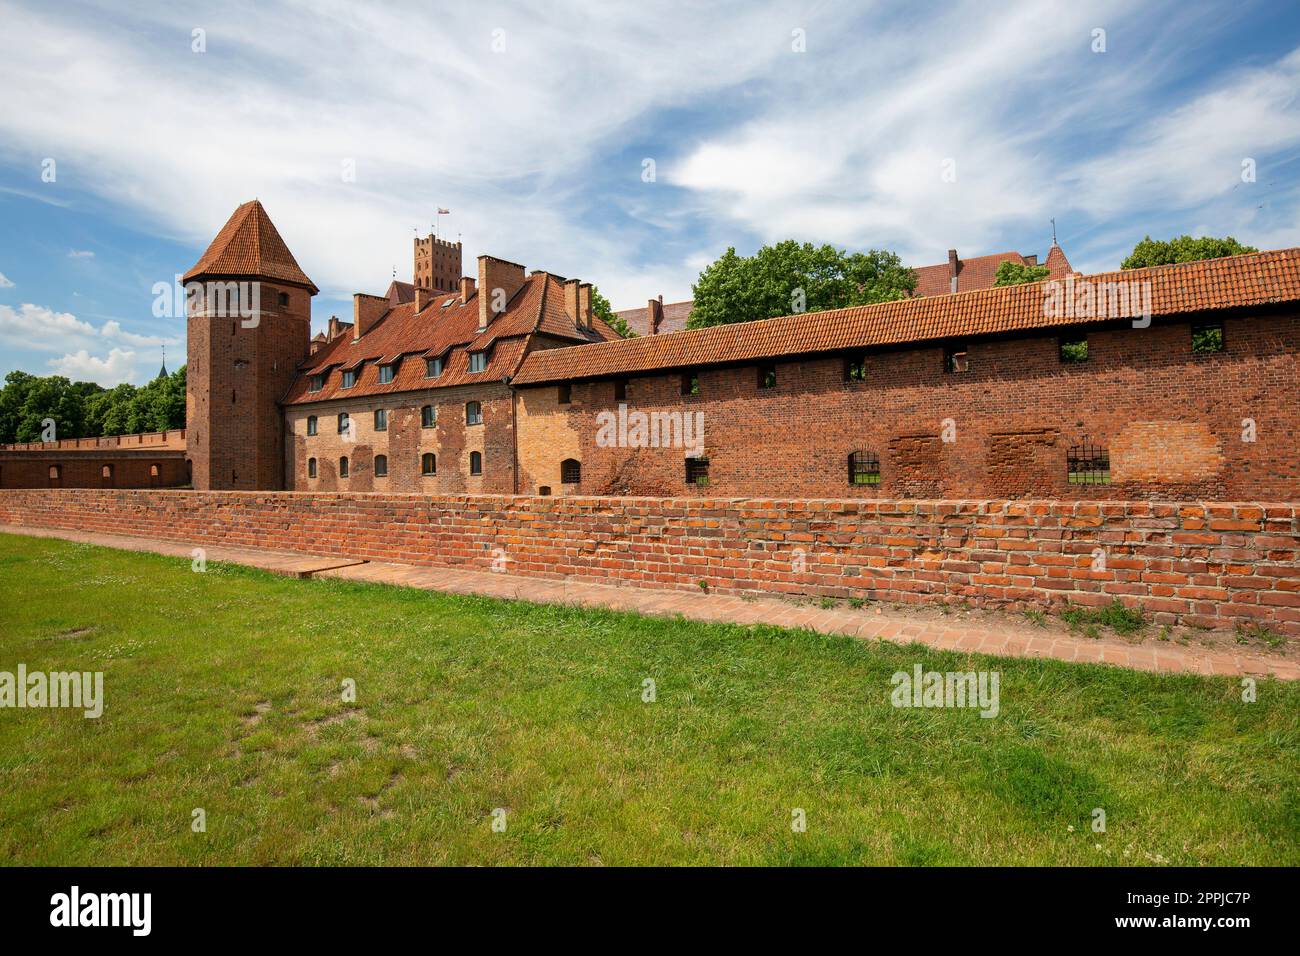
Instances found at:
x=864 y=468
x=1073 y=348
x=1207 y=338
x=956 y=358
x=855 y=368
x=1088 y=464
x=697 y=471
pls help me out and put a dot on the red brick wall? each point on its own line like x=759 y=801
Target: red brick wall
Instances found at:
x=20 y=469
x=1171 y=420
x=1205 y=564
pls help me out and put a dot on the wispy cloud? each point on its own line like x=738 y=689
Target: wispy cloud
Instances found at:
x=80 y=254
x=5 y=282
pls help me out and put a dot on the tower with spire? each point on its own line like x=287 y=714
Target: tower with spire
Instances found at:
x=241 y=364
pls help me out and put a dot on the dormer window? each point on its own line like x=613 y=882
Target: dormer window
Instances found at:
x=478 y=361
x=433 y=367
x=349 y=378
x=316 y=383
x=386 y=373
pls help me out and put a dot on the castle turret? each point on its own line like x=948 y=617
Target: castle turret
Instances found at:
x=249 y=327
x=437 y=264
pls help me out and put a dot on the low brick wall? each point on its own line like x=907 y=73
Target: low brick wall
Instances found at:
x=1194 y=563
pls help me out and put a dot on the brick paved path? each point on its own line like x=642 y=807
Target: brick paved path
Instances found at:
x=1009 y=638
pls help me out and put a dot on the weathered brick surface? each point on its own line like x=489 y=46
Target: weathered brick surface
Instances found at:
x=1200 y=563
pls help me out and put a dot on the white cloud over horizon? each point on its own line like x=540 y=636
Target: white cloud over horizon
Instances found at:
x=537 y=147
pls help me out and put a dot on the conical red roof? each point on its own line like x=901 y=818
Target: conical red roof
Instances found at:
x=250 y=245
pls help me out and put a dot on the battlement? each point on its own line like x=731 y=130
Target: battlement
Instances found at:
x=437 y=264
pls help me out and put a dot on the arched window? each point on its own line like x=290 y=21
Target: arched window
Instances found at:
x=428 y=463
x=570 y=471
x=343 y=467
x=55 y=473
x=381 y=466
x=428 y=417
x=473 y=413
x=544 y=490
x=153 y=471
x=476 y=463
x=106 y=471
x=311 y=467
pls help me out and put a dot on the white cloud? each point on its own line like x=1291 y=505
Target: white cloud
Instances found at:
x=81 y=366
x=36 y=327
x=5 y=282
x=80 y=254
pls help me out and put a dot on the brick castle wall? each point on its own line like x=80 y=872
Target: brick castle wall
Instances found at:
x=23 y=469
x=1206 y=564
x=1173 y=421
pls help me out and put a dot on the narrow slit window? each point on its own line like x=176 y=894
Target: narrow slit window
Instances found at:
x=311 y=467
x=343 y=467
x=476 y=463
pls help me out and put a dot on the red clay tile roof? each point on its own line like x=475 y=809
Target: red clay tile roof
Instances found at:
x=675 y=316
x=400 y=292
x=1256 y=279
x=250 y=245
x=981 y=272
x=445 y=327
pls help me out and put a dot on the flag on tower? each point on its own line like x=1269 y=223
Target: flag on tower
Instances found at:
x=443 y=212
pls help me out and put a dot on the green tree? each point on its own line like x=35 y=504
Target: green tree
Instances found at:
x=12 y=397
x=601 y=308
x=1015 y=273
x=792 y=277
x=1153 y=252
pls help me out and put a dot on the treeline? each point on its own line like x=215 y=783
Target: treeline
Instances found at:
x=87 y=410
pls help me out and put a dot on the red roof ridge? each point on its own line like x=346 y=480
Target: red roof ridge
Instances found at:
x=250 y=245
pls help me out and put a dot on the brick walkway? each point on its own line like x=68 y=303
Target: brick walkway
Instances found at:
x=872 y=623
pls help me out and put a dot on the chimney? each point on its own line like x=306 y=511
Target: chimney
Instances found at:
x=952 y=270
x=334 y=330
x=655 y=315
x=571 y=301
x=366 y=311
x=498 y=281
x=423 y=298
x=584 y=305
x=466 y=288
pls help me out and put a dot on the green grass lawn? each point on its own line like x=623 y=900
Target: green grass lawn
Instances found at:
x=223 y=691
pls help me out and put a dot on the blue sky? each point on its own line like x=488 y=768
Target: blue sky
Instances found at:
x=534 y=130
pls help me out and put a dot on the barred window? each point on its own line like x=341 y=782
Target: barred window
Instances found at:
x=1088 y=464
x=544 y=490
x=697 y=471
x=428 y=463
x=570 y=471
x=476 y=463
x=428 y=416
x=381 y=466
x=864 y=468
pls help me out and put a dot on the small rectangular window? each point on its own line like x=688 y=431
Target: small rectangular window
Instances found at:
x=311 y=424
x=428 y=417
x=564 y=394
x=956 y=358
x=428 y=463
x=478 y=361
x=864 y=468
x=344 y=422
x=284 y=299
x=1088 y=464
x=1074 y=348
x=697 y=471
x=1207 y=338
x=855 y=368
x=620 y=389
x=767 y=376
x=381 y=466
x=381 y=419
x=476 y=463
x=690 y=383
x=432 y=367
x=317 y=383
x=473 y=413
x=349 y=378
x=386 y=374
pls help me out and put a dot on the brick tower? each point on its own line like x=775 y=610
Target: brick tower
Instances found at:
x=248 y=328
x=437 y=264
